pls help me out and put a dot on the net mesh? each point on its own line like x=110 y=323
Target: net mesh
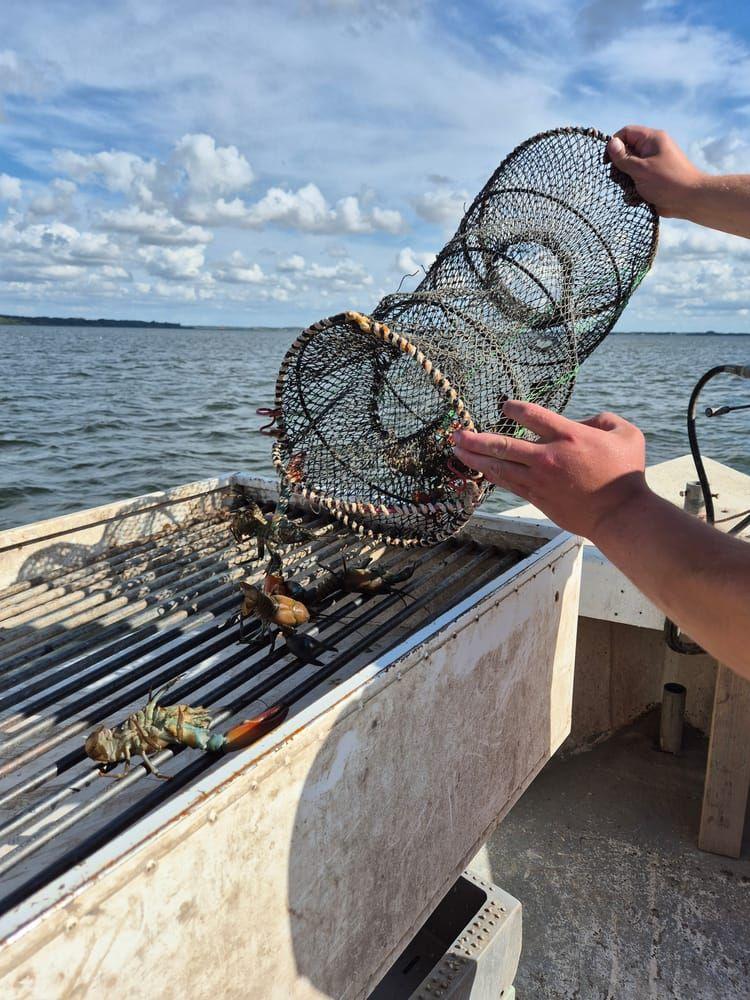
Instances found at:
x=540 y=268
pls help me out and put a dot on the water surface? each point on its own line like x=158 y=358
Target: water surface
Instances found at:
x=90 y=415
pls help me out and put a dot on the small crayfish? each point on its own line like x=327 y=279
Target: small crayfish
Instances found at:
x=249 y=521
x=276 y=584
x=155 y=728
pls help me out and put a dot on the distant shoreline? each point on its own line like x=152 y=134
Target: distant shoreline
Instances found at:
x=155 y=325
x=79 y=321
x=681 y=333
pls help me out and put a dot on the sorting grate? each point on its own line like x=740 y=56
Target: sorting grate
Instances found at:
x=85 y=645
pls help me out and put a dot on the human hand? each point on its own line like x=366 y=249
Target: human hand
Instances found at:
x=577 y=473
x=662 y=174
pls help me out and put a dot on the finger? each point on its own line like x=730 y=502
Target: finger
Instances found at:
x=502 y=446
x=546 y=423
x=508 y=474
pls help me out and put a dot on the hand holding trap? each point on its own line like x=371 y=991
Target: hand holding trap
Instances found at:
x=541 y=267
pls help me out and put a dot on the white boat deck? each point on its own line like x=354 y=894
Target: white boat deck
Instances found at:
x=607 y=595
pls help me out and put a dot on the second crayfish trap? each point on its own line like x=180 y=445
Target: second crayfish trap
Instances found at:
x=540 y=268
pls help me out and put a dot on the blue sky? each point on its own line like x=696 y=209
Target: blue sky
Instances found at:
x=271 y=163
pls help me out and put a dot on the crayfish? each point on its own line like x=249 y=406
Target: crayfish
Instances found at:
x=154 y=728
x=249 y=521
x=151 y=729
x=270 y=609
x=371 y=580
x=276 y=584
x=286 y=613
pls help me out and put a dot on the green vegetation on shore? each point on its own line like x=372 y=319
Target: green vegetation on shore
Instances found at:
x=79 y=321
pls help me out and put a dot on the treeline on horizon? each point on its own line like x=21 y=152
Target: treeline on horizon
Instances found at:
x=79 y=321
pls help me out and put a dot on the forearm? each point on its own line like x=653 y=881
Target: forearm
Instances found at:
x=720 y=203
x=697 y=575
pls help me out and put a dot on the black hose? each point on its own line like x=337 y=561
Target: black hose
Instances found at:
x=737 y=528
x=672 y=635
x=695 y=451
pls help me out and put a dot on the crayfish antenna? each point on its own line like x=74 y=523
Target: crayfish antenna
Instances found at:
x=155 y=696
x=251 y=730
x=404 y=595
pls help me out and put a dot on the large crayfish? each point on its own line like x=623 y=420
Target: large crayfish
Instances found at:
x=270 y=609
x=155 y=728
x=273 y=606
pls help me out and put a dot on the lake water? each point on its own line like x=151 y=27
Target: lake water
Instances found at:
x=90 y=415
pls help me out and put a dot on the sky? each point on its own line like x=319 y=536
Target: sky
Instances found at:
x=267 y=164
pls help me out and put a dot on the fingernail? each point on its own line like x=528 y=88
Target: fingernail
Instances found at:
x=616 y=146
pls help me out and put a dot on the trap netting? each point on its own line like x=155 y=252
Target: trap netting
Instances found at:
x=540 y=268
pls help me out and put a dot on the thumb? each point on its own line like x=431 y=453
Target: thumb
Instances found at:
x=619 y=155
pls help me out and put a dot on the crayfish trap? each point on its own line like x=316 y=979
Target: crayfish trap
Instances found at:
x=540 y=268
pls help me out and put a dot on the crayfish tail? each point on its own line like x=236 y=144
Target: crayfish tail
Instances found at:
x=251 y=730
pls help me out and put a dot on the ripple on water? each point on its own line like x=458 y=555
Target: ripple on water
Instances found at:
x=10 y=494
x=98 y=426
x=19 y=443
x=222 y=406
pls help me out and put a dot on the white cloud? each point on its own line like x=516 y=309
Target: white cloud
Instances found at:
x=116 y=170
x=304 y=209
x=697 y=273
x=55 y=241
x=307 y=210
x=443 y=206
x=21 y=75
x=168 y=262
x=294 y=263
x=56 y=200
x=114 y=271
x=212 y=169
x=346 y=274
x=195 y=186
x=387 y=219
x=729 y=153
x=237 y=270
x=153 y=227
x=689 y=56
x=683 y=241
x=10 y=188
x=315 y=158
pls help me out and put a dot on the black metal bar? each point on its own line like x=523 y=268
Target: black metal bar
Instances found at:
x=330 y=668
x=141 y=641
x=114 y=705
